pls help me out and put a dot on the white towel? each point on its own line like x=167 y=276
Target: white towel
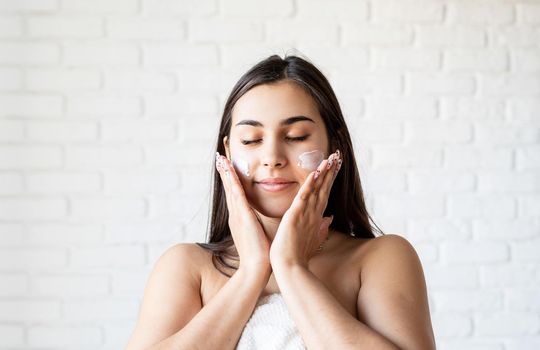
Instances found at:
x=270 y=327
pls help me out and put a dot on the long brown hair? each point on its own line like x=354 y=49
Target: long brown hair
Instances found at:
x=346 y=200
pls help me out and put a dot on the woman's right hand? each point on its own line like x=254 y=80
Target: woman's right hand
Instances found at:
x=251 y=243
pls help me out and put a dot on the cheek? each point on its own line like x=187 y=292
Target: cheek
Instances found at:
x=310 y=160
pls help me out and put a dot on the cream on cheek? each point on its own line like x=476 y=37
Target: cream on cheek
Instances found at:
x=310 y=160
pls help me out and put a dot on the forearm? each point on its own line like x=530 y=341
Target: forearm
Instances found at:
x=219 y=324
x=321 y=319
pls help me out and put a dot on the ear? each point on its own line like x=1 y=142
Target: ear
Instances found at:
x=226 y=145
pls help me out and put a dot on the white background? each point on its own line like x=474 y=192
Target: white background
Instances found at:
x=109 y=111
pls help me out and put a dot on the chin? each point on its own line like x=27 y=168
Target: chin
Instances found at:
x=271 y=208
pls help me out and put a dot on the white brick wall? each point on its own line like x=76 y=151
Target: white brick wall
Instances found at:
x=109 y=110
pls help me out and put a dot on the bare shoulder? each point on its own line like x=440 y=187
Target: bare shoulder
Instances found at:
x=388 y=246
x=171 y=296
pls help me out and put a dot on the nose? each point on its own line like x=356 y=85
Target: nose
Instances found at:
x=273 y=157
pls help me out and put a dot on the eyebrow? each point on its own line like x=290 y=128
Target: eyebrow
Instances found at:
x=284 y=122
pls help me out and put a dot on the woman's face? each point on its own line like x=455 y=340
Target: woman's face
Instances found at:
x=277 y=134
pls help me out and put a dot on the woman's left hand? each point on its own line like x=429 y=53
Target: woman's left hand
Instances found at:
x=303 y=229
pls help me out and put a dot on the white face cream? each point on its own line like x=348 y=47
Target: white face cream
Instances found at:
x=241 y=165
x=310 y=160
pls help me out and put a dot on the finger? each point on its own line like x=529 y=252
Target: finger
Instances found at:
x=234 y=191
x=304 y=193
x=329 y=178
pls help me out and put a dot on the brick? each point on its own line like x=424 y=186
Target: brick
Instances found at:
x=396 y=205
x=466 y=108
x=135 y=81
x=10 y=27
x=308 y=9
x=450 y=277
x=142 y=232
x=129 y=283
x=376 y=83
x=68 y=337
x=12 y=335
x=57 y=131
x=439 y=132
x=528 y=157
x=155 y=182
x=195 y=55
x=325 y=32
x=406 y=59
x=524 y=342
x=12 y=284
x=78 y=54
x=11 y=234
x=180 y=104
x=28 y=5
x=94 y=106
x=226 y=31
x=64 y=27
x=481 y=206
x=526 y=250
x=523 y=109
x=101 y=6
x=279 y=8
x=440 y=181
x=103 y=156
x=328 y=60
x=499 y=133
x=519 y=229
x=468 y=300
x=430 y=230
x=63 y=182
x=70 y=285
x=525 y=60
x=513 y=36
x=440 y=84
x=62 y=79
x=100 y=310
x=508 y=275
x=452 y=325
x=480 y=12
x=29 y=53
x=522 y=299
x=396 y=157
x=507 y=323
x=392 y=11
x=184 y=9
x=400 y=107
x=64 y=234
x=450 y=36
x=32 y=208
x=31 y=105
x=146 y=29
x=528 y=13
x=108 y=256
x=467 y=253
x=476 y=60
x=35 y=259
x=376 y=34
x=208 y=81
x=138 y=130
x=30 y=157
x=10 y=79
x=509 y=182
x=173 y=155
x=477 y=157
x=29 y=310
x=470 y=344
x=11 y=183
x=11 y=130
x=377 y=132
x=510 y=84
x=108 y=208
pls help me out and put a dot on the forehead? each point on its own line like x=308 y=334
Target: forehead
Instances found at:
x=270 y=103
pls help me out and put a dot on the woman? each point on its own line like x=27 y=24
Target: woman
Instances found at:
x=292 y=259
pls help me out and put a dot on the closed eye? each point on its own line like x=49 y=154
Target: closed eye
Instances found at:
x=293 y=139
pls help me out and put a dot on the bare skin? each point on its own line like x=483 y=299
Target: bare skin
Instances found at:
x=355 y=293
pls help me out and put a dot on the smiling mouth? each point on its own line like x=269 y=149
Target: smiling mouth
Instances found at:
x=275 y=187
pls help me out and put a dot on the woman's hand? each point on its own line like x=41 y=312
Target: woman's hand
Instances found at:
x=303 y=229
x=248 y=235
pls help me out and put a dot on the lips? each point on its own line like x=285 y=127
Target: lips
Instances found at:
x=275 y=184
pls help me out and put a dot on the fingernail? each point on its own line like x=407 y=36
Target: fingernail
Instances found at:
x=317 y=173
x=339 y=165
